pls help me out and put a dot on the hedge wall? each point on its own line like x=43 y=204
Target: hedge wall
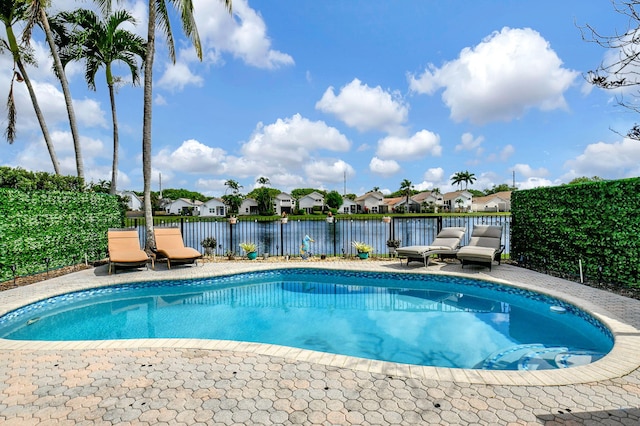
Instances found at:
x=63 y=227
x=597 y=223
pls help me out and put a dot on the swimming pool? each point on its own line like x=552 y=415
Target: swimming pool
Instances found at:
x=406 y=318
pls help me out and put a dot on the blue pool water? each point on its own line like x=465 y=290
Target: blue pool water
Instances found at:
x=406 y=318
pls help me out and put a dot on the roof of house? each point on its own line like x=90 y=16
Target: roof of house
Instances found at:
x=375 y=194
x=455 y=194
x=504 y=195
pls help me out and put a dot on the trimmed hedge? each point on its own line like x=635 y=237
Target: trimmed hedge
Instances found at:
x=64 y=227
x=597 y=223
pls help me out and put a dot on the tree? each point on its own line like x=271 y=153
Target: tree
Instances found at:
x=101 y=43
x=263 y=197
x=503 y=187
x=158 y=14
x=233 y=200
x=457 y=179
x=334 y=199
x=468 y=178
x=584 y=179
x=620 y=70
x=12 y=12
x=406 y=188
x=38 y=14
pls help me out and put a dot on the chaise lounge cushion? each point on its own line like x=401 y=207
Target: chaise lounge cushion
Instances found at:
x=124 y=249
x=484 y=247
x=169 y=244
x=446 y=242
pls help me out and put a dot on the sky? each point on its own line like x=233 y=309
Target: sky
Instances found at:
x=348 y=96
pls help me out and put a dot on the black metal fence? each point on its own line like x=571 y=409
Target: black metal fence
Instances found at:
x=331 y=236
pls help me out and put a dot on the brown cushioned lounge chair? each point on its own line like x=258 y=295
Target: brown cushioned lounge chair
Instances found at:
x=169 y=245
x=484 y=247
x=124 y=249
x=447 y=242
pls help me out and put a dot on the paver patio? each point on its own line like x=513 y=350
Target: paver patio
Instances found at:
x=190 y=381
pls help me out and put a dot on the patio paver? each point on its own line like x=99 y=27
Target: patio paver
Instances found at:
x=194 y=381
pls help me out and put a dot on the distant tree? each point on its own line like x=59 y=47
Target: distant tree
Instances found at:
x=233 y=200
x=351 y=197
x=476 y=193
x=375 y=189
x=584 y=179
x=503 y=187
x=468 y=178
x=334 y=199
x=174 y=194
x=620 y=69
x=457 y=179
x=263 y=197
x=406 y=188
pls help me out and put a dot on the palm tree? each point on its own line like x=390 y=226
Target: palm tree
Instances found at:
x=101 y=43
x=38 y=14
x=457 y=179
x=158 y=14
x=406 y=187
x=468 y=178
x=233 y=185
x=12 y=12
x=233 y=200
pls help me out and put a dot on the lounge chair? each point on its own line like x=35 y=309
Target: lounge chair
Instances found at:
x=169 y=245
x=484 y=247
x=124 y=250
x=447 y=242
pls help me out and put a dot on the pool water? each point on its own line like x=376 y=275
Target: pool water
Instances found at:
x=406 y=318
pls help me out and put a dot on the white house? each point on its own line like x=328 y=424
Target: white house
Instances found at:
x=248 y=206
x=283 y=203
x=213 y=207
x=348 y=206
x=371 y=202
x=309 y=201
x=429 y=198
x=400 y=204
x=184 y=206
x=498 y=202
x=458 y=201
x=134 y=203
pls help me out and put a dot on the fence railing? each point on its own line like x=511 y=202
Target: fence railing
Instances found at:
x=331 y=238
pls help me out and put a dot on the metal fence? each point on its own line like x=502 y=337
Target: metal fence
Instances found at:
x=331 y=238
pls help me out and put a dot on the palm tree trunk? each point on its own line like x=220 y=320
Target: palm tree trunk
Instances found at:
x=40 y=117
x=116 y=141
x=13 y=44
x=65 y=90
x=146 y=126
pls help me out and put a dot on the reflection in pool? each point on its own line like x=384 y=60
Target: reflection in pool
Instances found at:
x=407 y=318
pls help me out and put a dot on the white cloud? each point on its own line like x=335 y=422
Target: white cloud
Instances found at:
x=160 y=100
x=608 y=160
x=468 y=142
x=434 y=174
x=528 y=172
x=290 y=141
x=384 y=167
x=328 y=171
x=534 y=182
x=177 y=76
x=191 y=157
x=507 y=152
x=508 y=73
x=417 y=146
x=244 y=35
x=365 y=108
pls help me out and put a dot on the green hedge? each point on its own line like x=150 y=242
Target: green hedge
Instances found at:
x=597 y=223
x=64 y=227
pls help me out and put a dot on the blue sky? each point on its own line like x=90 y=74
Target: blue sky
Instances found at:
x=308 y=92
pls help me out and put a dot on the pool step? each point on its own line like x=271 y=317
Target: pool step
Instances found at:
x=538 y=357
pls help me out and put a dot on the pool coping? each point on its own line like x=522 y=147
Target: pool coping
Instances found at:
x=622 y=360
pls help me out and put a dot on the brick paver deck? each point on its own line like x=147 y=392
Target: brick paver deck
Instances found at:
x=190 y=381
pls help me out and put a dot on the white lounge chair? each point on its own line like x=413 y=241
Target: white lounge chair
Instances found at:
x=484 y=247
x=447 y=242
